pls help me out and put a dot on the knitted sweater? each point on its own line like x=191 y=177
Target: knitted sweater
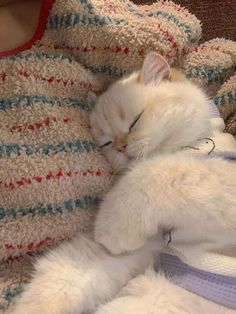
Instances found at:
x=52 y=175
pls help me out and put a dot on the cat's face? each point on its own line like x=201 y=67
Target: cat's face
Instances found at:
x=144 y=113
x=117 y=127
x=118 y=120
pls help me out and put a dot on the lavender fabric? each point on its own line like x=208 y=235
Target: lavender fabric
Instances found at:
x=229 y=155
x=225 y=155
x=217 y=288
x=214 y=110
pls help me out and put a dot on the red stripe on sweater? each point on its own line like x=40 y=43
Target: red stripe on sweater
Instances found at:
x=30 y=246
x=203 y=47
x=51 y=79
x=18 y=258
x=26 y=248
x=23 y=182
x=47 y=122
x=166 y=34
x=38 y=125
x=125 y=50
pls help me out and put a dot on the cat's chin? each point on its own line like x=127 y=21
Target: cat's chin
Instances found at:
x=120 y=163
x=134 y=158
x=137 y=151
x=128 y=162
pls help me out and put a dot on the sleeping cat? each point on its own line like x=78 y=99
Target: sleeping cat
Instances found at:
x=170 y=220
x=149 y=112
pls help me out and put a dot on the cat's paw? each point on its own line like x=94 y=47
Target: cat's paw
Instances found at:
x=125 y=220
x=66 y=280
x=77 y=277
x=115 y=223
x=133 y=298
x=56 y=288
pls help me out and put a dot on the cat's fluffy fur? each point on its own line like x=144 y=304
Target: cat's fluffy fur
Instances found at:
x=165 y=190
x=175 y=114
x=81 y=275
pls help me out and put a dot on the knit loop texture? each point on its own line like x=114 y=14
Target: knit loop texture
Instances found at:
x=52 y=174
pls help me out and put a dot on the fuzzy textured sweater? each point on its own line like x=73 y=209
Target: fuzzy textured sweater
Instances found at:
x=52 y=175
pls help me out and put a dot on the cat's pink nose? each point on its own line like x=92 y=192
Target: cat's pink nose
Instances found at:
x=122 y=148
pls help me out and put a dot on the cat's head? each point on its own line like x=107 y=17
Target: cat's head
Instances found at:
x=135 y=115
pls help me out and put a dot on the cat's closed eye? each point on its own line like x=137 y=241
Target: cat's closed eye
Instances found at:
x=106 y=144
x=135 y=121
x=130 y=129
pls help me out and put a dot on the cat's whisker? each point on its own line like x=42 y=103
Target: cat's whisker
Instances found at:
x=145 y=148
x=141 y=147
x=119 y=163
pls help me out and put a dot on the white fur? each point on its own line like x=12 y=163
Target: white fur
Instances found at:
x=77 y=277
x=177 y=192
x=175 y=114
x=152 y=293
x=194 y=196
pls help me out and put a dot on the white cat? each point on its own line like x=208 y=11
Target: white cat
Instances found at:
x=168 y=202
x=149 y=112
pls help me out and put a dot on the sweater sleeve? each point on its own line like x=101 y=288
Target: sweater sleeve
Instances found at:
x=111 y=37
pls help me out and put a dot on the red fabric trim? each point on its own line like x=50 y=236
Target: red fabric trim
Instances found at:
x=46 y=7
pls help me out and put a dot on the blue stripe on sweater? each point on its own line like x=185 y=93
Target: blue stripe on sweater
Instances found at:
x=111 y=71
x=105 y=69
x=40 y=56
x=88 y=6
x=8 y=294
x=29 y=100
x=165 y=15
x=52 y=209
x=227 y=98
x=76 y=146
x=173 y=18
x=71 y=19
x=211 y=74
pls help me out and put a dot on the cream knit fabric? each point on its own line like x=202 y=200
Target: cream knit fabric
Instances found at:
x=52 y=175
x=212 y=65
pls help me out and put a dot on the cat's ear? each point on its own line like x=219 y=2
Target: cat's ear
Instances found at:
x=92 y=98
x=155 y=69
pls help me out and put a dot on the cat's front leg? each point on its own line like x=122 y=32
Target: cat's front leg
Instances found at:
x=128 y=213
x=174 y=192
x=77 y=277
x=61 y=283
